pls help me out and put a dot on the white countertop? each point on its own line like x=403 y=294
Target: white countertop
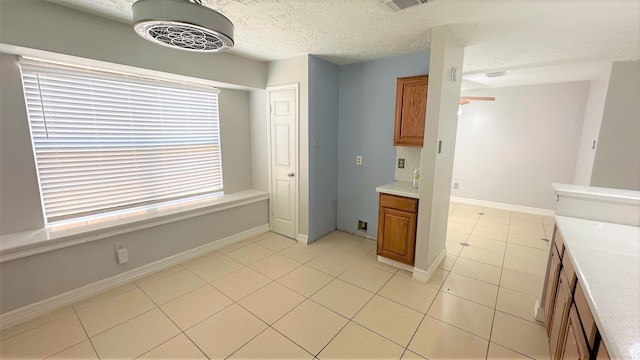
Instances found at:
x=606 y=257
x=597 y=192
x=400 y=188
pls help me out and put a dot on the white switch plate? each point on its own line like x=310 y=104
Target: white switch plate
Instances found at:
x=359 y=160
x=122 y=255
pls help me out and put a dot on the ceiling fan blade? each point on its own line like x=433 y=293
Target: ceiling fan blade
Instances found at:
x=481 y=98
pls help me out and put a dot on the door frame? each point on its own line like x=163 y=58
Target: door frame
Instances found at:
x=296 y=125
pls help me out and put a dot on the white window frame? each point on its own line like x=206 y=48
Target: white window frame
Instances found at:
x=142 y=210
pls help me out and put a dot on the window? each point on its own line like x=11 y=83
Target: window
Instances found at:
x=107 y=142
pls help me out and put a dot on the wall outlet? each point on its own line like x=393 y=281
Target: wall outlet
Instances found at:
x=359 y=160
x=455 y=186
x=122 y=255
x=400 y=163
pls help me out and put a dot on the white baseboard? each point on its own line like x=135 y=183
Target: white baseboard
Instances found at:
x=425 y=276
x=503 y=206
x=394 y=263
x=538 y=312
x=45 y=306
x=303 y=239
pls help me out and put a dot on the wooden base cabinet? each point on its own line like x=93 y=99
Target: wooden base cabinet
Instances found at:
x=551 y=287
x=557 y=328
x=397 y=221
x=570 y=326
x=574 y=346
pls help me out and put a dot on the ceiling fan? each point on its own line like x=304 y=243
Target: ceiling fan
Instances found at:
x=467 y=99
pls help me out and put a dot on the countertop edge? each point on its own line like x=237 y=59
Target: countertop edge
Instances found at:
x=399 y=188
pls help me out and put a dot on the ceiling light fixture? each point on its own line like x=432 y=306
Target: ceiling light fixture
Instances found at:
x=182 y=24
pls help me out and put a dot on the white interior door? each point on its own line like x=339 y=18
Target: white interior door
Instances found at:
x=283 y=121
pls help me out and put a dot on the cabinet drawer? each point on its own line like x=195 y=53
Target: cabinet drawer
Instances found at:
x=399 y=203
x=569 y=271
x=557 y=239
x=586 y=318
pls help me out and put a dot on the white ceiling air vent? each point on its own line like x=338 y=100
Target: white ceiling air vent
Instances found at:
x=398 y=5
x=182 y=24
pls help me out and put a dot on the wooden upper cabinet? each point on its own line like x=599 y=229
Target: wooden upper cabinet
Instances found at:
x=411 y=108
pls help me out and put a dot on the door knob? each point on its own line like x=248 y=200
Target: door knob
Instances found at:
x=290 y=174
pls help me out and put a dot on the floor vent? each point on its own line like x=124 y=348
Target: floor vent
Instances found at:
x=397 y=5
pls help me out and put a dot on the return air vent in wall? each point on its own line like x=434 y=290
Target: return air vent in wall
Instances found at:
x=397 y=5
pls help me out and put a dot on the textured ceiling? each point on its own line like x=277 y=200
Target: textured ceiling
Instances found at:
x=539 y=41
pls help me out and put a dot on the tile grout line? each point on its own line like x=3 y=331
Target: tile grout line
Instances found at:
x=85 y=332
x=495 y=308
x=350 y=320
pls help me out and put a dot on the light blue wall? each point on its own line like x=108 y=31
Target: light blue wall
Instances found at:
x=365 y=127
x=323 y=147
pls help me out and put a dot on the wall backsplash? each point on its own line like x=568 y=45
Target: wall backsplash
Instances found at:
x=411 y=156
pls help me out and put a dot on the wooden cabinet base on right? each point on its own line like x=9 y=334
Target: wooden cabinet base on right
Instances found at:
x=569 y=322
x=397 y=221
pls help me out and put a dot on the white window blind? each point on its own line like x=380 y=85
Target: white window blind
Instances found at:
x=106 y=142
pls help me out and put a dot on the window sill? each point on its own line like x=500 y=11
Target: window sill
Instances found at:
x=27 y=243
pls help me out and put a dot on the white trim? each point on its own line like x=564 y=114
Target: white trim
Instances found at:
x=425 y=276
x=394 y=263
x=76 y=61
x=43 y=307
x=503 y=206
x=19 y=245
x=538 y=312
x=40 y=64
x=269 y=90
x=303 y=239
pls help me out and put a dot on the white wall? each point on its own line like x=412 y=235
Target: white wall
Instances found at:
x=38 y=277
x=291 y=71
x=617 y=160
x=510 y=150
x=591 y=127
x=20 y=205
x=323 y=147
x=259 y=139
x=436 y=168
x=235 y=125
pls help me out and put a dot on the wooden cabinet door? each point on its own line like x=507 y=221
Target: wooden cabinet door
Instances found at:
x=553 y=274
x=397 y=234
x=603 y=354
x=560 y=314
x=574 y=346
x=411 y=108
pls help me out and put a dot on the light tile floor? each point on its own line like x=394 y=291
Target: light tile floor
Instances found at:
x=268 y=297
